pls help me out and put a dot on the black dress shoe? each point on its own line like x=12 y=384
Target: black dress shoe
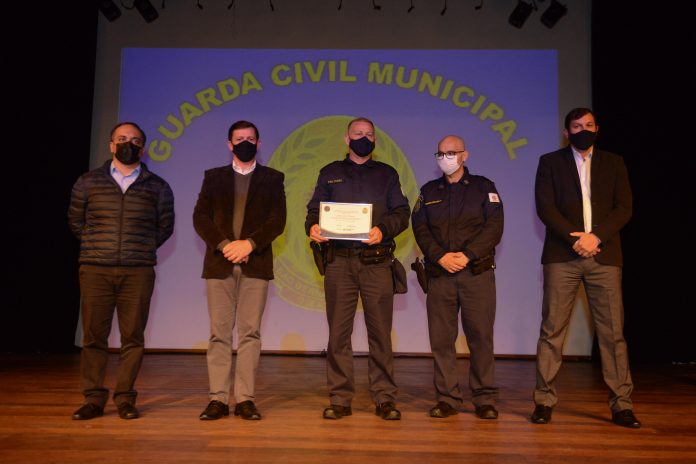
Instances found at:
x=443 y=409
x=625 y=418
x=88 y=411
x=127 y=411
x=336 y=411
x=247 y=410
x=215 y=410
x=388 y=411
x=487 y=411
x=541 y=414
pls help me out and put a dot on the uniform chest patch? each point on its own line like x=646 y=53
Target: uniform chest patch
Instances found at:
x=334 y=181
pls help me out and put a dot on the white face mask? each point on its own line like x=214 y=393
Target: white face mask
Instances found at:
x=448 y=166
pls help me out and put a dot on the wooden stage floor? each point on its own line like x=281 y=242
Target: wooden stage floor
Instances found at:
x=40 y=392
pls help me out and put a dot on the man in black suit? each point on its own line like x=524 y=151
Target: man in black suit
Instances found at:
x=240 y=211
x=584 y=199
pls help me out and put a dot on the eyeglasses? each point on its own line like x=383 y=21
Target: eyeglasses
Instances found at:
x=137 y=141
x=447 y=154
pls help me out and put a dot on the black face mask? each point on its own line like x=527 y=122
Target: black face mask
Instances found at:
x=362 y=147
x=582 y=140
x=127 y=153
x=245 y=151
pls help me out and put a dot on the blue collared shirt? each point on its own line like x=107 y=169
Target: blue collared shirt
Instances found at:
x=124 y=181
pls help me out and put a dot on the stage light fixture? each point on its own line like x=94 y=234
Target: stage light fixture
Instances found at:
x=553 y=13
x=520 y=14
x=109 y=10
x=146 y=10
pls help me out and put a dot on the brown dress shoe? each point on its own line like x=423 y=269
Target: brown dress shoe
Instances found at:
x=486 y=411
x=336 y=411
x=388 y=411
x=88 y=411
x=127 y=411
x=247 y=410
x=625 y=418
x=443 y=409
x=215 y=410
x=541 y=414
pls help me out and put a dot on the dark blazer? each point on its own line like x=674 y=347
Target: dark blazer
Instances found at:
x=559 y=204
x=264 y=219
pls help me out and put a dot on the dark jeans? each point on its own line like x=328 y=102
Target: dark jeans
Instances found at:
x=128 y=290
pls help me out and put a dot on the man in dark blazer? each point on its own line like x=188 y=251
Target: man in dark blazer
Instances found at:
x=584 y=199
x=240 y=211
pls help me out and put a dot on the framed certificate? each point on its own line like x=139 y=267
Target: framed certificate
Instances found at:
x=345 y=221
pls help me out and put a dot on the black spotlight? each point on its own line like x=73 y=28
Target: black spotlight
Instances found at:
x=520 y=14
x=109 y=10
x=147 y=11
x=553 y=13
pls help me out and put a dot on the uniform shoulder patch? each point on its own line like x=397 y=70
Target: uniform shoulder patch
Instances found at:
x=493 y=197
x=418 y=204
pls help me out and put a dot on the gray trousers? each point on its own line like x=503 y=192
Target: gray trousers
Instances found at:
x=345 y=279
x=236 y=300
x=475 y=295
x=105 y=289
x=603 y=289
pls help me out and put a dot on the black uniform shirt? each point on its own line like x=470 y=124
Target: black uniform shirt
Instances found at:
x=465 y=216
x=371 y=182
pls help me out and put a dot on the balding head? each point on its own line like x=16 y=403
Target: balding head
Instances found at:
x=451 y=143
x=450 y=156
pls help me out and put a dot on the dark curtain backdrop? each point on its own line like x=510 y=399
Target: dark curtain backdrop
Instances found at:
x=50 y=65
x=638 y=95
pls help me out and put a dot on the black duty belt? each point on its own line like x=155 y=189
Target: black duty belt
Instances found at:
x=348 y=252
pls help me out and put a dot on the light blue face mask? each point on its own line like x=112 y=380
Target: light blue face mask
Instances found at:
x=449 y=166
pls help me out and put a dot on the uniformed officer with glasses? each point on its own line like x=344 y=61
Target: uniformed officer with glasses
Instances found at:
x=457 y=222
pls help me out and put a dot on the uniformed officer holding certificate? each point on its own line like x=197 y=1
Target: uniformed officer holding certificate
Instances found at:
x=360 y=267
x=345 y=221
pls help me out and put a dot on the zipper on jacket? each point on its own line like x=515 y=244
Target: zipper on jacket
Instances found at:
x=120 y=227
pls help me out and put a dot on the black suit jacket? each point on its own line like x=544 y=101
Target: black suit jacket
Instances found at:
x=264 y=219
x=559 y=204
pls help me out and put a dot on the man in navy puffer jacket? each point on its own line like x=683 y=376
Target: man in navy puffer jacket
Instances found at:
x=121 y=213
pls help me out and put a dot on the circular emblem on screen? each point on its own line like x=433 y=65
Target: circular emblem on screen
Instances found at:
x=327 y=208
x=364 y=210
x=300 y=157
